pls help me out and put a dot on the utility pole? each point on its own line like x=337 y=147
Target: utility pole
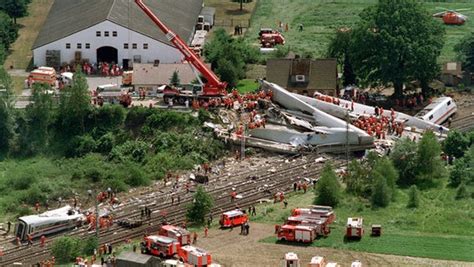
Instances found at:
x=241 y=5
x=347 y=139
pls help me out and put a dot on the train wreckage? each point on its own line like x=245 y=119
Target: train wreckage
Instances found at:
x=294 y=123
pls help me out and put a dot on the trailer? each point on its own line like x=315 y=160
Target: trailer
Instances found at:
x=291 y=260
x=317 y=261
x=44 y=75
x=182 y=235
x=354 y=227
x=194 y=256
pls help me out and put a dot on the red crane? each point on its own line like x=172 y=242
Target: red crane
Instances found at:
x=213 y=87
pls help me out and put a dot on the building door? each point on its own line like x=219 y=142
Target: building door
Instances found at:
x=125 y=63
x=107 y=54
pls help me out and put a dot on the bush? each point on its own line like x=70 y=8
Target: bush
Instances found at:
x=33 y=195
x=23 y=182
x=328 y=190
x=89 y=245
x=82 y=145
x=455 y=144
x=134 y=176
x=130 y=150
x=461 y=192
x=381 y=192
x=200 y=207
x=458 y=173
x=413 y=197
x=66 y=249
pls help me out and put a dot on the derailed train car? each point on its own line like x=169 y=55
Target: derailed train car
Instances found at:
x=49 y=222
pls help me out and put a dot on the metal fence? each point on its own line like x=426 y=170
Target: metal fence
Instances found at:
x=244 y=23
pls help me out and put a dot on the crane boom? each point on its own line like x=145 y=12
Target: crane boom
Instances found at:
x=213 y=86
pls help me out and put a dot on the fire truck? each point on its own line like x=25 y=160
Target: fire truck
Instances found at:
x=316 y=211
x=320 y=225
x=233 y=218
x=161 y=246
x=46 y=75
x=298 y=233
x=182 y=235
x=212 y=89
x=354 y=228
x=194 y=256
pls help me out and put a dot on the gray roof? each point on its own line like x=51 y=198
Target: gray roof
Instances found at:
x=67 y=17
x=128 y=256
x=148 y=74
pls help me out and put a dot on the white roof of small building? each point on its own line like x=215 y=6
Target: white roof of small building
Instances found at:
x=149 y=74
x=355 y=222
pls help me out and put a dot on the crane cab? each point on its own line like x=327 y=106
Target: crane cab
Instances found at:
x=233 y=218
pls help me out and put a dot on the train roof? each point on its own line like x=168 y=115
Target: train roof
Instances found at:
x=52 y=216
x=435 y=103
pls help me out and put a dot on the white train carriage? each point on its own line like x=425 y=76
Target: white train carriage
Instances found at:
x=49 y=222
x=438 y=111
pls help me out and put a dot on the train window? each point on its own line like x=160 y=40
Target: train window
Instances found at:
x=431 y=117
x=449 y=103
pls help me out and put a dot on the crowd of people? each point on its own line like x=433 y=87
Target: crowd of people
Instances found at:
x=379 y=125
x=101 y=68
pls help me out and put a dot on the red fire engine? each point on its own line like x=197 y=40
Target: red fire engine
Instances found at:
x=298 y=233
x=194 y=256
x=354 y=228
x=182 y=235
x=319 y=224
x=316 y=211
x=233 y=218
x=158 y=245
x=212 y=89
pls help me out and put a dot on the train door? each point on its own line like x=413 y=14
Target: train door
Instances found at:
x=20 y=229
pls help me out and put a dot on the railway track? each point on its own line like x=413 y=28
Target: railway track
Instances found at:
x=463 y=124
x=252 y=190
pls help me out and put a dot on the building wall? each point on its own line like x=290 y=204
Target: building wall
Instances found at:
x=156 y=49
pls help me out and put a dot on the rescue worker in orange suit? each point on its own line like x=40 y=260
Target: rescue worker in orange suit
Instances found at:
x=206 y=230
x=30 y=239
x=42 y=240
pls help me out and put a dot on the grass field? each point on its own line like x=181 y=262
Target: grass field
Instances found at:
x=247 y=85
x=321 y=18
x=228 y=13
x=21 y=53
x=441 y=228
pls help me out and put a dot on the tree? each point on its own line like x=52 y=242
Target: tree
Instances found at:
x=385 y=166
x=458 y=174
x=6 y=112
x=8 y=31
x=396 y=42
x=329 y=189
x=174 y=80
x=455 y=144
x=429 y=164
x=200 y=207
x=38 y=116
x=403 y=157
x=90 y=244
x=413 y=197
x=381 y=192
x=16 y=8
x=228 y=72
x=228 y=56
x=465 y=52
x=339 y=48
x=65 y=249
x=74 y=107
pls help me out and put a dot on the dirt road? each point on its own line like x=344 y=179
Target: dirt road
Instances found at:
x=229 y=248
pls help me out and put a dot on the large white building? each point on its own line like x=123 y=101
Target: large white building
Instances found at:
x=113 y=31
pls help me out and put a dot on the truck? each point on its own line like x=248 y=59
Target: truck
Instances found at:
x=320 y=225
x=182 y=235
x=158 y=245
x=296 y=233
x=194 y=256
x=317 y=211
x=44 y=75
x=354 y=227
x=213 y=88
